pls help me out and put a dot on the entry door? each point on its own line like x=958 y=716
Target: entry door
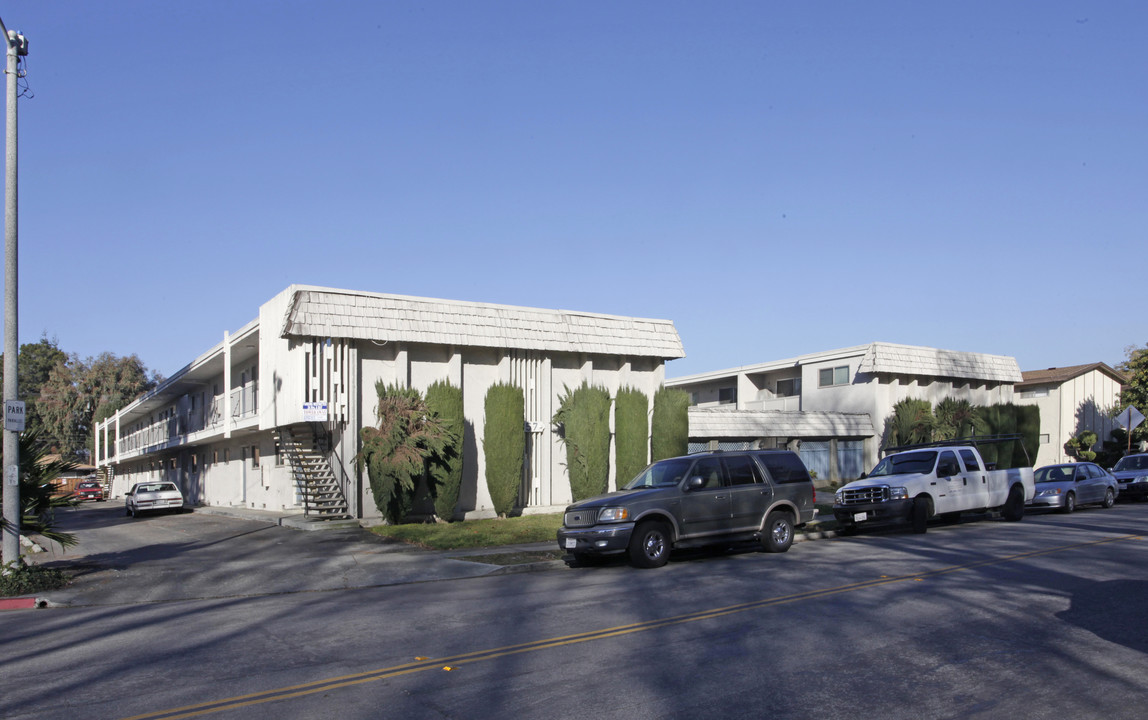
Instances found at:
x=706 y=510
x=749 y=494
x=950 y=483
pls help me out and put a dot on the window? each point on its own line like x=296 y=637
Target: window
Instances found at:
x=741 y=470
x=727 y=395
x=789 y=387
x=970 y=459
x=1045 y=439
x=254 y=456
x=828 y=377
x=710 y=471
x=1034 y=392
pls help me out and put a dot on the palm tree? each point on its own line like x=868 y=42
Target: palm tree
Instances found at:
x=911 y=423
x=38 y=497
x=957 y=419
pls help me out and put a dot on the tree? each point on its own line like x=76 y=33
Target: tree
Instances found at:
x=631 y=434
x=956 y=419
x=445 y=402
x=911 y=423
x=396 y=452
x=34 y=365
x=78 y=393
x=584 y=416
x=504 y=444
x=670 y=424
x=1135 y=393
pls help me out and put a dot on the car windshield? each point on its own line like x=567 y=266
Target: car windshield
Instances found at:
x=88 y=485
x=665 y=473
x=1132 y=462
x=1054 y=473
x=905 y=464
x=156 y=487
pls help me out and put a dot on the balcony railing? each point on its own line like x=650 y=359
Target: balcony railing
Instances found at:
x=244 y=405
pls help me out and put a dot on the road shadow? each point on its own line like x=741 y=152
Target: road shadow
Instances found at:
x=1110 y=610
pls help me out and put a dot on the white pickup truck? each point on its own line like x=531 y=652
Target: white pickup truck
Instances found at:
x=936 y=480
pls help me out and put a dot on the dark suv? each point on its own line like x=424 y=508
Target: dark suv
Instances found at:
x=694 y=500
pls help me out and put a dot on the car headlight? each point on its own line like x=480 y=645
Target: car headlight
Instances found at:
x=898 y=493
x=839 y=498
x=1141 y=479
x=1046 y=493
x=614 y=514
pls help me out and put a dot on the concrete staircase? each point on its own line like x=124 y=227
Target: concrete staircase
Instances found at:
x=323 y=497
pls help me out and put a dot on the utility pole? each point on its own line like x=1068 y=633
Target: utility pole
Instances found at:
x=17 y=46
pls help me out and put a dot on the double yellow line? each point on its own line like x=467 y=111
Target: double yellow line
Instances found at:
x=449 y=663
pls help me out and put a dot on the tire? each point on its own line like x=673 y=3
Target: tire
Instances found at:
x=1069 y=503
x=920 y=516
x=1109 y=498
x=127 y=511
x=1013 y=509
x=778 y=535
x=650 y=544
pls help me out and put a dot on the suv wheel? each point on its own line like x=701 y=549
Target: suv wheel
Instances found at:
x=650 y=544
x=778 y=535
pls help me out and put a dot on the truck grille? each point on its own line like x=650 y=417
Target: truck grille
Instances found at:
x=862 y=496
x=580 y=518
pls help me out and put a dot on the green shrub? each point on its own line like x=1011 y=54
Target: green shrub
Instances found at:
x=396 y=452
x=957 y=419
x=584 y=415
x=670 y=426
x=504 y=445
x=1028 y=425
x=911 y=423
x=631 y=434
x=21 y=579
x=445 y=402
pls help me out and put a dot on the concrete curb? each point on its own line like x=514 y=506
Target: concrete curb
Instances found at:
x=22 y=603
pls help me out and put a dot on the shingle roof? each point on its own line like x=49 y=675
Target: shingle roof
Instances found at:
x=1064 y=374
x=717 y=423
x=931 y=362
x=329 y=313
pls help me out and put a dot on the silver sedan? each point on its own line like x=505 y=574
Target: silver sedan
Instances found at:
x=147 y=496
x=1066 y=486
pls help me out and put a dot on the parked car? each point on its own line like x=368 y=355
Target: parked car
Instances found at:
x=148 y=496
x=89 y=490
x=1132 y=476
x=1065 y=486
x=694 y=500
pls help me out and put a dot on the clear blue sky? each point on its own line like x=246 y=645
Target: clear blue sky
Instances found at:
x=776 y=178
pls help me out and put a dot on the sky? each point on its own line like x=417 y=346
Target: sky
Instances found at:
x=777 y=178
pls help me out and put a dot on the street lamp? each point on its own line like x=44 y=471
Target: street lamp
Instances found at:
x=10 y=546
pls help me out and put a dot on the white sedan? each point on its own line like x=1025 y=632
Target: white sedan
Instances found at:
x=147 y=496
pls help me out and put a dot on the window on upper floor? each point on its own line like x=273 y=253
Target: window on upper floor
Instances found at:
x=788 y=387
x=1034 y=392
x=726 y=396
x=828 y=377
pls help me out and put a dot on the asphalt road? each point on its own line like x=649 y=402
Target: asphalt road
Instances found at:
x=1038 y=619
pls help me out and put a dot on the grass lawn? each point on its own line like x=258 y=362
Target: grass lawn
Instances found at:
x=476 y=533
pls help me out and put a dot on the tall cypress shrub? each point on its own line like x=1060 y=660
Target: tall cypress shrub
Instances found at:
x=445 y=468
x=1028 y=425
x=670 y=426
x=584 y=415
x=504 y=444
x=631 y=434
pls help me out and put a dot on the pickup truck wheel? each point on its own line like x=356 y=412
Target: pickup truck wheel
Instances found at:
x=920 y=517
x=1014 y=506
x=778 y=535
x=1069 y=503
x=1109 y=498
x=650 y=544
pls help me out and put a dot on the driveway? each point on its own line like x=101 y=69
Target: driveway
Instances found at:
x=161 y=558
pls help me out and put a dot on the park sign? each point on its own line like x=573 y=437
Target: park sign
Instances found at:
x=14 y=415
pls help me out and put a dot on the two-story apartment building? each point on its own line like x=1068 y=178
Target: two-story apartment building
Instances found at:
x=835 y=403
x=1071 y=400
x=287 y=395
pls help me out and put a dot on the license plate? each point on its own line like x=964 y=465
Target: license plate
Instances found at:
x=571 y=543
x=860 y=517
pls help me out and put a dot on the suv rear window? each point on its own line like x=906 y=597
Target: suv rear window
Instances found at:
x=784 y=467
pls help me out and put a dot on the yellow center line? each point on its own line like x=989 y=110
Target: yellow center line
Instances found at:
x=333 y=683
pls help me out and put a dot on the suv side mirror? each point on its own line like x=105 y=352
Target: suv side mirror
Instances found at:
x=696 y=482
